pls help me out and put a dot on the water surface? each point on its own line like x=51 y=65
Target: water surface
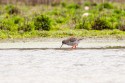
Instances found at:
x=62 y=66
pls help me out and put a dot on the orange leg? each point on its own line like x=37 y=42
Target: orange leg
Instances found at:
x=74 y=46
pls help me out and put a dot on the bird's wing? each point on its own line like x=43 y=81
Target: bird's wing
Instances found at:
x=72 y=39
x=80 y=39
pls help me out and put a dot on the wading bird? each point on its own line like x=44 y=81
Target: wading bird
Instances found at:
x=71 y=42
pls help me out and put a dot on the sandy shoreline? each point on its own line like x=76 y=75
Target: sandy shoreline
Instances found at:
x=43 y=39
x=46 y=43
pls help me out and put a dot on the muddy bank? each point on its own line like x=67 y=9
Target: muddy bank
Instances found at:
x=41 y=39
x=54 y=43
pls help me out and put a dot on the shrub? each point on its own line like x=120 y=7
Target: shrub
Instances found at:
x=11 y=9
x=117 y=11
x=84 y=25
x=101 y=23
x=17 y=19
x=73 y=6
x=90 y=4
x=121 y=24
x=60 y=20
x=26 y=26
x=42 y=22
x=93 y=4
x=57 y=12
x=87 y=3
x=63 y=4
x=85 y=22
x=106 y=5
x=122 y=27
x=10 y=23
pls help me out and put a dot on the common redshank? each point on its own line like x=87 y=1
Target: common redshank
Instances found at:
x=72 y=41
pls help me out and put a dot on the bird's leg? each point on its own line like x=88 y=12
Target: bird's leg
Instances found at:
x=72 y=47
x=76 y=45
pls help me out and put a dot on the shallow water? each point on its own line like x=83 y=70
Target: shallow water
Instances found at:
x=62 y=66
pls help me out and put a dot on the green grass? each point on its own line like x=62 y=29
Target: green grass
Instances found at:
x=65 y=33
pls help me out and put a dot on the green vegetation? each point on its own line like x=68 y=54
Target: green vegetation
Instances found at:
x=42 y=22
x=64 y=19
x=59 y=34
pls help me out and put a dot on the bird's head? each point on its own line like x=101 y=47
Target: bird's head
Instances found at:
x=63 y=42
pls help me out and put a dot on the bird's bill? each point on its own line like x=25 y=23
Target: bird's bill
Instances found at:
x=61 y=45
